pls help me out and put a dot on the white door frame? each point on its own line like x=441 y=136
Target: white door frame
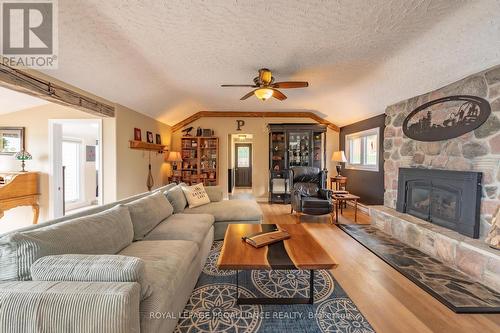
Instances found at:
x=55 y=177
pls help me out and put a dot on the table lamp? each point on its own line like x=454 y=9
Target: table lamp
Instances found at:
x=22 y=156
x=174 y=157
x=339 y=157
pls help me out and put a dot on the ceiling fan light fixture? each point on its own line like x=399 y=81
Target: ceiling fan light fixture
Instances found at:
x=263 y=93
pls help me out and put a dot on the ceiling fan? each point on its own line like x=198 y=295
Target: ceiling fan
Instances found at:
x=266 y=87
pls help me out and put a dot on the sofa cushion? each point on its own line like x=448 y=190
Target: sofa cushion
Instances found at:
x=215 y=193
x=103 y=233
x=229 y=210
x=91 y=268
x=196 y=195
x=167 y=263
x=191 y=227
x=176 y=198
x=146 y=213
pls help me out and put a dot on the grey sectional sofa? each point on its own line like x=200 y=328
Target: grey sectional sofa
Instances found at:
x=129 y=266
x=225 y=212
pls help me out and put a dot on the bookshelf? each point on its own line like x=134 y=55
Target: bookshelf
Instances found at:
x=200 y=160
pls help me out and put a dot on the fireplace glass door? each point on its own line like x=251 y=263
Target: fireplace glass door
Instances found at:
x=445 y=206
x=436 y=203
x=418 y=199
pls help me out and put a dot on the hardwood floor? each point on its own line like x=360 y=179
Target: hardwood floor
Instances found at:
x=388 y=300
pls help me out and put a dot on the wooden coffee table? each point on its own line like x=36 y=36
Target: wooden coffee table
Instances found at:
x=301 y=251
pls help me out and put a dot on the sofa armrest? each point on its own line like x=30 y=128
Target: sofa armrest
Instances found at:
x=49 y=306
x=91 y=268
x=215 y=193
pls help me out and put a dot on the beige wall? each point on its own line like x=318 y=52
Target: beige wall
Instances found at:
x=224 y=127
x=132 y=165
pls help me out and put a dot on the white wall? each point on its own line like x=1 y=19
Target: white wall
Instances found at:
x=224 y=127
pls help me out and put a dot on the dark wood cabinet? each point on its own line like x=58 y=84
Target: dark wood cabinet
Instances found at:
x=293 y=145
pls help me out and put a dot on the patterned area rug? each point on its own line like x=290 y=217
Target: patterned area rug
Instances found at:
x=449 y=286
x=212 y=306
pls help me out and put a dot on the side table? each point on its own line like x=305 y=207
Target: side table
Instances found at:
x=339 y=199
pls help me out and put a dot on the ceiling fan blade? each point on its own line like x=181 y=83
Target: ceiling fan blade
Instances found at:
x=290 y=84
x=239 y=85
x=247 y=95
x=278 y=95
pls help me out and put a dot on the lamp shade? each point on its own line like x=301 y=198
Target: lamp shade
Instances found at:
x=263 y=93
x=339 y=156
x=174 y=156
x=23 y=155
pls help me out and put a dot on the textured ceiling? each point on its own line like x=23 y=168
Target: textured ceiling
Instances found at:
x=167 y=59
x=12 y=101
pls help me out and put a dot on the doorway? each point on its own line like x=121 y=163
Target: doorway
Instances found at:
x=76 y=165
x=243 y=165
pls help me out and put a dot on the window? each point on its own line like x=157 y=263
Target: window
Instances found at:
x=362 y=150
x=243 y=157
x=71 y=154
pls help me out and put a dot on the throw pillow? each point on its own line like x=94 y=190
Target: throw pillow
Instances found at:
x=196 y=195
x=177 y=199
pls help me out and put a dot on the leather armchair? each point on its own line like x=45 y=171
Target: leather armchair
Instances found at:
x=309 y=194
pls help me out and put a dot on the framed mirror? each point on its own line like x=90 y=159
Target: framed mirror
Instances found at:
x=11 y=140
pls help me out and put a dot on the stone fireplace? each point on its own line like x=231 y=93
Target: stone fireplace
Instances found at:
x=425 y=208
x=450 y=199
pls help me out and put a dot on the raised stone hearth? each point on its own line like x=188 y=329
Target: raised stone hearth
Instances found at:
x=471 y=256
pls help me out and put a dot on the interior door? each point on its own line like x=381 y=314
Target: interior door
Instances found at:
x=243 y=165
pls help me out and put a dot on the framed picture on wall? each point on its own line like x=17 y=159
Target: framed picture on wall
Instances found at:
x=149 y=137
x=158 y=139
x=11 y=140
x=137 y=134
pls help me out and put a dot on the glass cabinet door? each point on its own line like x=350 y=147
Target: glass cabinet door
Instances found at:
x=278 y=151
x=317 y=149
x=298 y=148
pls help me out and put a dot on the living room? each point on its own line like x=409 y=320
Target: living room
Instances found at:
x=191 y=166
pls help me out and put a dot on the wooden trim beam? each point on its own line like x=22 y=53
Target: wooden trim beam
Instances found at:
x=254 y=114
x=23 y=82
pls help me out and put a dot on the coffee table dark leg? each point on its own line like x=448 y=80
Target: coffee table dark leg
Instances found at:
x=336 y=211
x=311 y=286
x=237 y=286
x=269 y=300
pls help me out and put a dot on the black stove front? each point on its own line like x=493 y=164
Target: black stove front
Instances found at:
x=447 y=198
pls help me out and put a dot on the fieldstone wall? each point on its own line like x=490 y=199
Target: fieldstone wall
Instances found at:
x=474 y=151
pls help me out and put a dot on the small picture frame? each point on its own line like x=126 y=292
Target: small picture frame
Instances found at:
x=149 y=137
x=137 y=134
x=158 y=139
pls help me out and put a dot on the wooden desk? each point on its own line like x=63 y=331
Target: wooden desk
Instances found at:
x=340 y=183
x=339 y=199
x=20 y=189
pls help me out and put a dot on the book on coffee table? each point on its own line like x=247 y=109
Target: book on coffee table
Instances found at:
x=265 y=238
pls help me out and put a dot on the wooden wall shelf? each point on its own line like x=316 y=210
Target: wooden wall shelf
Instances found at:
x=146 y=146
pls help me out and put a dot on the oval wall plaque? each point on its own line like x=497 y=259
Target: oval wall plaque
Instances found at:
x=446 y=118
